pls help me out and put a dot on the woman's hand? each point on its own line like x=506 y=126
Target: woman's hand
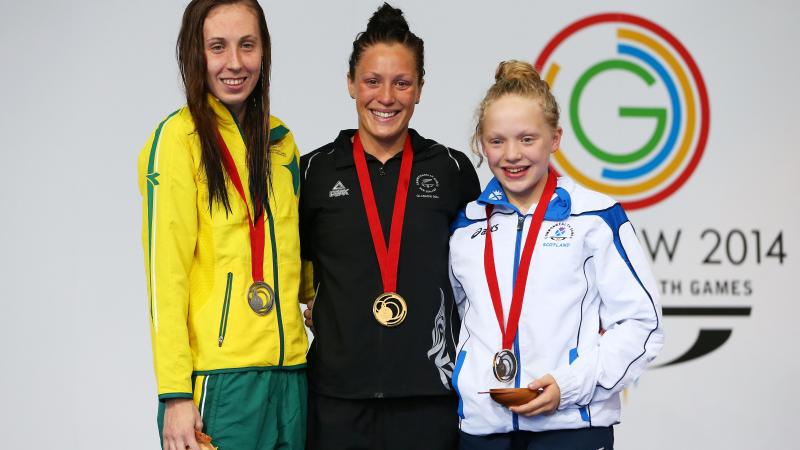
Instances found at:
x=181 y=419
x=307 y=314
x=547 y=401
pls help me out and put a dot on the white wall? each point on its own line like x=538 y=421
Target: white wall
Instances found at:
x=85 y=83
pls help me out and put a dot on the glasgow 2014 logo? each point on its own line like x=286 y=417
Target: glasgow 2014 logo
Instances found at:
x=648 y=147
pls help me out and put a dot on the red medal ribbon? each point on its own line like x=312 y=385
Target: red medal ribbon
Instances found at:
x=387 y=260
x=257 y=232
x=509 y=332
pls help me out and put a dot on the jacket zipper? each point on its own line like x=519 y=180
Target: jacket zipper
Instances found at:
x=517 y=250
x=226 y=306
x=275 y=279
x=275 y=275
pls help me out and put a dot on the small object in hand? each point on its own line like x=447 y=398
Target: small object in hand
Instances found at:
x=204 y=441
x=512 y=396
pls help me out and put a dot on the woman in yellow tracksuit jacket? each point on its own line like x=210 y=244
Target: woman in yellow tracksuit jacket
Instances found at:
x=243 y=367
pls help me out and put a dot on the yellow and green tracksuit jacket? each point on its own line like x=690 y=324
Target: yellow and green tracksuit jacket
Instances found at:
x=198 y=263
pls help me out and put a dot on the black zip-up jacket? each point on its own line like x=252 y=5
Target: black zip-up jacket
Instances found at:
x=352 y=355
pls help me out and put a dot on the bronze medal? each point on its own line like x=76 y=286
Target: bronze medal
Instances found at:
x=261 y=298
x=389 y=309
x=504 y=366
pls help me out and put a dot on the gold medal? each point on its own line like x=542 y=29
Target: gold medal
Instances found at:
x=389 y=309
x=504 y=365
x=261 y=298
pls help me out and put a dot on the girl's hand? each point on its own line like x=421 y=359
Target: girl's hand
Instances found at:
x=547 y=401
x=181 y=419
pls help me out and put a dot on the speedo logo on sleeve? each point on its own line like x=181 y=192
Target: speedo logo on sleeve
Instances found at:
x=338 y=190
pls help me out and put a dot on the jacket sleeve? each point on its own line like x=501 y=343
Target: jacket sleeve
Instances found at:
x=469 y=183
x=169 y=235
x=630 y=317
x=459 y=295
x=307 y=289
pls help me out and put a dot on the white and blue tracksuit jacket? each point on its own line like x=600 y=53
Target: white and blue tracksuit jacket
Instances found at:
x=588 y=274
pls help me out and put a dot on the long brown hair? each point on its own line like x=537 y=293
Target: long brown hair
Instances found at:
x=190 y=51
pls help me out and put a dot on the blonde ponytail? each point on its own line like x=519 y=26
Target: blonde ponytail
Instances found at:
x=516 y=78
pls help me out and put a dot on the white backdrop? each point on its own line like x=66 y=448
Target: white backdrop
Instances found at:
x=84 y=83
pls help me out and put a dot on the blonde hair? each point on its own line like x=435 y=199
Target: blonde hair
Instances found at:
x=515 y=78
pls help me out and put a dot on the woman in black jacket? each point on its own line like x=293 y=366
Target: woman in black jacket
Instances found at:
x=375 y=209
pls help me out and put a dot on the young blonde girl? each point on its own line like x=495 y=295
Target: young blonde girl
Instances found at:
x=552 y=285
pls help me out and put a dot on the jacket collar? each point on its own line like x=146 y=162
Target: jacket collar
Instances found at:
x=226 y=119
x=343 y=147
x=558 y=209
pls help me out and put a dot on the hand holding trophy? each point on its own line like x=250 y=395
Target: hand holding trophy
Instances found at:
x=204 y=441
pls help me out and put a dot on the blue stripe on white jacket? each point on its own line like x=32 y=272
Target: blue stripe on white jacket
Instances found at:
x=588 y=273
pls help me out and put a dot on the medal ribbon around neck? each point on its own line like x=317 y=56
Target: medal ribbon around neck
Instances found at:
x=260 y=296
x=509 y=332
x=387 y=259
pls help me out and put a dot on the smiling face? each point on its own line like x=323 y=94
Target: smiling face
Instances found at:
x=234 y=53
x=517 y=142
x=386 y=89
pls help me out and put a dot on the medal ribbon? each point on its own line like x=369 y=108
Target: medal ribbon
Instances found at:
x=257 y=232
x=509 y=332
x=387 y=260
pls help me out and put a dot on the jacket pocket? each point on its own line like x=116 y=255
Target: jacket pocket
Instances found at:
x=226 y=306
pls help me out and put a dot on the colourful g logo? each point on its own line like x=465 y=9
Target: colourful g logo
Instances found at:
x=638 y=154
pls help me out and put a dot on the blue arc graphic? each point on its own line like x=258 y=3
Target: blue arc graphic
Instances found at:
x=672 y=137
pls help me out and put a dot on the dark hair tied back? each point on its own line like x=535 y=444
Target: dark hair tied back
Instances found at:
x=388 y=26
x=387 y=18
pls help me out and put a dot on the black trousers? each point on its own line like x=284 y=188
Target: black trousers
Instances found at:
x=594 y=438
x=429 y=423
